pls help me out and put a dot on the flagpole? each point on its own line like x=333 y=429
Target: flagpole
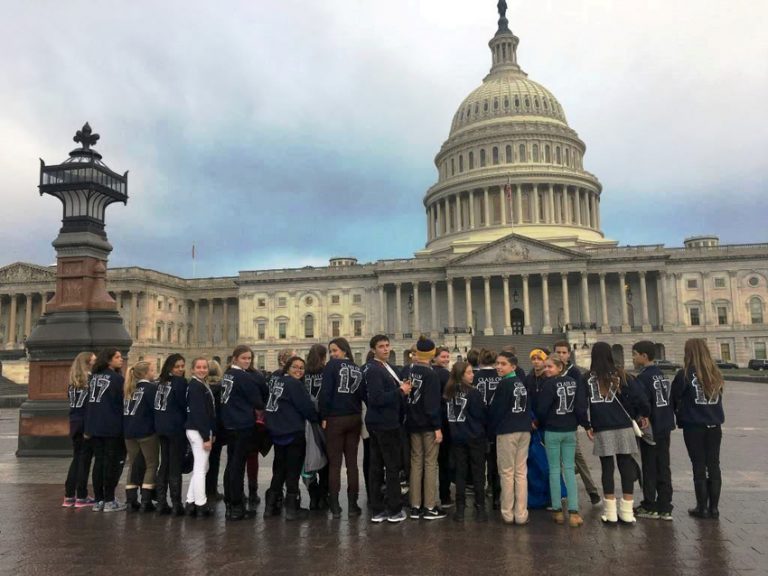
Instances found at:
x=194 y=262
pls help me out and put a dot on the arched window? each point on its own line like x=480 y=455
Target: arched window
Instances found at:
x=506 y=102
x=521 y=153
x=461 y=163
x=756 y=310
x=309 y=326
x=508 y=154
x=527 y=103
x=495 y=155
x=567 y=156
x=547 y=153
x=485 y=106
x=517 y=102
x=471 y=160
x=558 y=155
x=546 y=106
x=536 y=102
x=495 y=103
x=482 y=157
x=453 y=167
x=535 y=152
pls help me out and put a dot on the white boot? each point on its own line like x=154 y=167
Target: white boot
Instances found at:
x=626 y=514
x=609 y=512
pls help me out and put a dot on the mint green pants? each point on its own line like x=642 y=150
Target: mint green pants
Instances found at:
x=561 y=452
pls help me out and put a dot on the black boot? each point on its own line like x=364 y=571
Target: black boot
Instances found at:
x=146 y=500
x=333 y=500
x=204 y=510
x=293 y=509
x=227 y=511
x=190 y=509
x=702 y=498
x=237 y=512
x=162 y=499
x=253 y=499
x=354 y=509
x=175 y=489
x=480 y=514
x=132 y=499
x=314 y=496
x=714 y=487
x=271 y=504
x=458 y=514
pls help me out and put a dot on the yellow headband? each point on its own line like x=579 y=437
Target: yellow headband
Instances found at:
x=538 y=352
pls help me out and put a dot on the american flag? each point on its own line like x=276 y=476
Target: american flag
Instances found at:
x=508 y=190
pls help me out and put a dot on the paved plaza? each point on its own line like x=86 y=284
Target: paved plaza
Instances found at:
x=39 y=537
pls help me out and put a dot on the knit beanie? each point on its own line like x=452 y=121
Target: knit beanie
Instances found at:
x=425 y=349
x=538 y=352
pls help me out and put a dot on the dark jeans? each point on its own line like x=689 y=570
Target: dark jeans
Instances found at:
x=493 y=474
x=76 y=484
x=703 y=446
x=367 y=465
x=657 y=475
x=214 y=464
x=342 y=434
x=107 y=453
x=238 y=447
x=287 y=464
x=386 y=454
x=445 y=471
x=470 y=458
x=627 y=471
x=171 y=462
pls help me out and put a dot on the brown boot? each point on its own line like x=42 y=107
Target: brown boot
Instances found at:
x=558 y=517
x=575 y=520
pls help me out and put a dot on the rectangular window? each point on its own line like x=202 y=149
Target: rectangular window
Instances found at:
x=695 y=319
x=692 y=284
x=262 y=302
x=358 y=328
x=261 y=361
x=282 y=330
x=760 y=351
x=180 y=309
x=335 y=328
x=335 y=299
x=722 y=315
x=282 y=302
x=725 y=351
x=357 y=299
x=261 y=330
x=159 y=305
x=170 y=307
x=719 y=282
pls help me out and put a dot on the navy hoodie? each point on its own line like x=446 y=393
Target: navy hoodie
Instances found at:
x=313 y=383
x=384 y=398
x=78 y=400
x=562 y=404
x=692 y=406
x=342 y=390
x=424 y=401
x=104 y=415
x=139 y=411
x=467 y=416
x=241 y=394
x=658 y=390
x=486 y=380
x=534 y=383
x=605 y=413
x=201 y=409
x=509 y=411
x=171 y=407
x=288 y=408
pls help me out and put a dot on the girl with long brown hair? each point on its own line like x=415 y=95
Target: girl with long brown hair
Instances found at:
x=697 y=392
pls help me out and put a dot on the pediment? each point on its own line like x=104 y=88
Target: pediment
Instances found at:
x=513 y=249
x=21 y=272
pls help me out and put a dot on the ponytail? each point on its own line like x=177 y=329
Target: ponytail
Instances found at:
x=136 y=372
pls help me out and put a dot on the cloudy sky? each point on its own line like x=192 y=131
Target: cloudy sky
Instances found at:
x=278 y=133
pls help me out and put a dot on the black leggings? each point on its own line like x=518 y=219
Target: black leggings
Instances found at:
x=77 y=477
x=171 y=462
x=238 y=448
x=287 y=464
x=627 y=471
x=107 y=466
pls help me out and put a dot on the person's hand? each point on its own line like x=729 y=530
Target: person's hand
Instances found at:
x=534 y=425
x=438 y=436
x=591 y=434
x=643 y=422
x=324 y=424
x=207 y=446
x=406 y=387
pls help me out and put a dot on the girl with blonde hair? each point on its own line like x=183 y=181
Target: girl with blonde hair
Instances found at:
x=76 y=485
x=697 y=392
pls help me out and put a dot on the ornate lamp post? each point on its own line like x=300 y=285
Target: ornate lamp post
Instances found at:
x=81 y=315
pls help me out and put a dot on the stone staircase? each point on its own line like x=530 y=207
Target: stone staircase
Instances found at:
x=524 y=343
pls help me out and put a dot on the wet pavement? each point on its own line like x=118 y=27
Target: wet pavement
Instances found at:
x=39 y=537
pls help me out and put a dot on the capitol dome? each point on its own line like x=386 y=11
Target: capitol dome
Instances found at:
x=510 y=164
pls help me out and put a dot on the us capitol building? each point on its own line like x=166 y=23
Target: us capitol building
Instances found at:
x=514 y=254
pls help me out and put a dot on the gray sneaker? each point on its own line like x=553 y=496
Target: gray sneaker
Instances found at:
x=98 y=506
x=114 y=506
x=399 y=517
x=665 y=516
x=379 y=518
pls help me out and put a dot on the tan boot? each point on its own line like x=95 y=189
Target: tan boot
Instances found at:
x=558 y=517
x=575 y=520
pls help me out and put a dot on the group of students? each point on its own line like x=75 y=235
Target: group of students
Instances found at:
x=424 y=427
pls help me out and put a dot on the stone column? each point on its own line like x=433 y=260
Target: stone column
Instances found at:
x=471 y=209
x=12 y=320
x=196 y=328
x=567 y=203
x=585 y=315
x=577 y=197
x=507 y=312
x=623 y=296
x=468 y=296
x=732 y=279
x=382 y=312
x=566 y=299
x=597 y=211
x=451 y=318
x=519 y=204
x=446 y=216
x=526 y=305
x=707 y=316
x=678 y=300
x=398 y=311
x=503 y=204
x=433 y=298
x=416 y=325
x=486 y=207
x=439 y=208
x=488 y=319
x=660 y=298
x=1 y=317
x=134 y=311
x=210 y=323
x=547 y=327
x=27 y=315
x=644 y=302
x=43 y=302
x=225 y=327
x=605 y=325
x=536 y=209
x=457 y=212
x=551 y=205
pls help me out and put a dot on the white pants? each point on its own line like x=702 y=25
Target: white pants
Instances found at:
x=196 y=492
